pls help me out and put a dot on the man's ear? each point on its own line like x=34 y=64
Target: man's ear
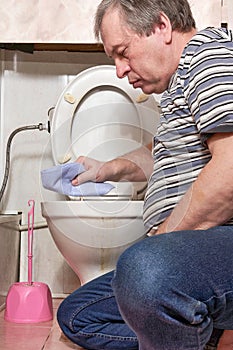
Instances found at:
x=164 y=28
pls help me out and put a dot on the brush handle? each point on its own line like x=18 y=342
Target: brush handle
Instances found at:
x=31 y=203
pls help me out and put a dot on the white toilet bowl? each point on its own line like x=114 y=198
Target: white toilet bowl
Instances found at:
x=92 y=234
x=100 y=116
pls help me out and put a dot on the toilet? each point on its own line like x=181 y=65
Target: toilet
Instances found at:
x=102 y=117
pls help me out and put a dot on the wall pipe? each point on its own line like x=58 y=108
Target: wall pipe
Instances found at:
x=37 y=225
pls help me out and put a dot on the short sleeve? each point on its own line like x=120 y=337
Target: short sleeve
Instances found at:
x=209 y=88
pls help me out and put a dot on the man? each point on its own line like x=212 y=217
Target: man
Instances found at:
x=173 y=290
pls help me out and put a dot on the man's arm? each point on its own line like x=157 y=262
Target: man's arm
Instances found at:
x=209 y=201
x=134 y=166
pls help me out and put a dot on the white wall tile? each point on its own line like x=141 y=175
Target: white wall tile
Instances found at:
x=206 y=13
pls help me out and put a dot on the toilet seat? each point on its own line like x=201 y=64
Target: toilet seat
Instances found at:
x=97 y=115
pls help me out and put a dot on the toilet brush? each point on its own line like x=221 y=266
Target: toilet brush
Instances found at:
x=29 y=302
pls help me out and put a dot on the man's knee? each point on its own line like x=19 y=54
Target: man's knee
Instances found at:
x=142 y=268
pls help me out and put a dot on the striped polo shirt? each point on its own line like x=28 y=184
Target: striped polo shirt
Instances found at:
x=197 y=103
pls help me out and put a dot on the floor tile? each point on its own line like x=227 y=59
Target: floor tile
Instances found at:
x=25 y=337
x=36 y=336
x=58 y=341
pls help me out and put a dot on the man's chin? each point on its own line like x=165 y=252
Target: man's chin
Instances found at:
x=148 y=90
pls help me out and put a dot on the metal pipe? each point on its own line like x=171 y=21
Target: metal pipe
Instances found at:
x=37 y=225
x=40 y=127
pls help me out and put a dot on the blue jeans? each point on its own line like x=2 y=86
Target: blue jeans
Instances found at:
x=173 y=291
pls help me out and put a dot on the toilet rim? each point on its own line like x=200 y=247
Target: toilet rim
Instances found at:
x=93 y=217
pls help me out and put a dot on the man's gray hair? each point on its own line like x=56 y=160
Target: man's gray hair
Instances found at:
x=141 y=15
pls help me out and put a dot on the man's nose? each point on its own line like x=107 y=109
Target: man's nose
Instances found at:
x=122 y=68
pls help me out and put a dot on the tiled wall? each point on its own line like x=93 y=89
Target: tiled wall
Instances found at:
x=47 y=21
x=206 y=13
x=71 y=21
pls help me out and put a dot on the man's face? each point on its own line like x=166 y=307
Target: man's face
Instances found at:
x=147 y=61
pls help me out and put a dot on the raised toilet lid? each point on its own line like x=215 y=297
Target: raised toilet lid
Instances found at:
x=101 y=116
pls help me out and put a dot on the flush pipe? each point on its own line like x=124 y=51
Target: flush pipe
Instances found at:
x=40 y=127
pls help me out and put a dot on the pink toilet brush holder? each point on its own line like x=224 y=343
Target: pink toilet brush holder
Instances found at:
x=29 y=302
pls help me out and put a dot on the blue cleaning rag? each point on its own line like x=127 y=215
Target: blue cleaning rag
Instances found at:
x=58 y=179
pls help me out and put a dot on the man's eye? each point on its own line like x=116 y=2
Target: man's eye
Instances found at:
x=123 y=53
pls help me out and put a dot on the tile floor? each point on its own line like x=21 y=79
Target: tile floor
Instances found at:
x=39 y=336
